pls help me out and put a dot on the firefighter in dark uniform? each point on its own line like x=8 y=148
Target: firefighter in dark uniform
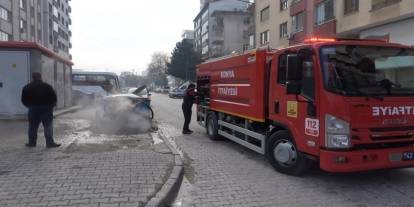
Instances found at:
x=188 y=100
x=40 y=98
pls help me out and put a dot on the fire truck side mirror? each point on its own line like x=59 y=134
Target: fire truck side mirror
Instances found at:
x=293 y=74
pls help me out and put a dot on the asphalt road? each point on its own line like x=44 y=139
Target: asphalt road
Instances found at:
x=222 y=173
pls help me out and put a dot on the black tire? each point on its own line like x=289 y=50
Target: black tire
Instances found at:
x=294 y=162
x=212 y=126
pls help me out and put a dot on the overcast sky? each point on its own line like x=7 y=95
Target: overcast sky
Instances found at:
x=121 y=35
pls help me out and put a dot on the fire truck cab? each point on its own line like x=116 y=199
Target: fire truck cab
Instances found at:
x=345 y=104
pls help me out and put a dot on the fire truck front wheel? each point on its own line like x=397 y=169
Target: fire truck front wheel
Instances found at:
x=283 y=154
x=212 y=126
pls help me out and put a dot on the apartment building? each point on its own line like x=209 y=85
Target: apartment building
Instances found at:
x=45 y=22
x=222 y=27
x=204 y=2
x=285 y=22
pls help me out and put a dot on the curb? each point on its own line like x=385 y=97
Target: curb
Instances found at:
x=66 y=110
x=168 y=192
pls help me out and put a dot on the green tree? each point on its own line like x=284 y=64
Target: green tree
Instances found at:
x=184 y=61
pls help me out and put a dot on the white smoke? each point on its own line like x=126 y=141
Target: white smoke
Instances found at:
x=116 y=115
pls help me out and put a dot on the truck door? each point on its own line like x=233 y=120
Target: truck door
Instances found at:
x=297 y=112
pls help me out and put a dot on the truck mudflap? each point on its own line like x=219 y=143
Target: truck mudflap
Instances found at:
x=364 y=160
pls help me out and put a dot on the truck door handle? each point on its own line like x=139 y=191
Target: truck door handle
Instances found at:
x=277 y=107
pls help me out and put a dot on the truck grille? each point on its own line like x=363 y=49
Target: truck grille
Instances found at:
x=392 y=129
x=383 y=145
x=381 y=138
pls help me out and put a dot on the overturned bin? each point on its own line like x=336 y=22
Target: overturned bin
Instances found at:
x=18 y=60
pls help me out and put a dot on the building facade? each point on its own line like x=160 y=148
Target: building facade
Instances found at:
x=285 y=22
x=46 y=22
x=222 y=27
x=204 y=2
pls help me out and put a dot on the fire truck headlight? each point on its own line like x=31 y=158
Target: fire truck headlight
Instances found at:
x=337 y=133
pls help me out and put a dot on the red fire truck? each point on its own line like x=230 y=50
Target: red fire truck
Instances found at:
x=346 y=104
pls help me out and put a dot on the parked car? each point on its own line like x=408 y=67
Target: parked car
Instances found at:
x=176 y=93
x=165 y=89
x=179 y=92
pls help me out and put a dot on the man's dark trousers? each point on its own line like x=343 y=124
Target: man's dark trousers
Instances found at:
x=187 y=116
x=44 y=115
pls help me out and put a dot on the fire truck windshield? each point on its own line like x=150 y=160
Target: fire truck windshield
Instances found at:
x=354 y=70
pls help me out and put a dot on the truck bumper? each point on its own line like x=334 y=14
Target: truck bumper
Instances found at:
x=364 y=160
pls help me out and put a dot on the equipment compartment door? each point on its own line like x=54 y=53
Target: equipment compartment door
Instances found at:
x=14 y=74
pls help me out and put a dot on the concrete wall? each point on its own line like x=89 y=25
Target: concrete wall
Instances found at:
x=57 y=74
x=398 y=32
x=277 y=17
x=344 y=25
x=365 y=17
x=233 y=33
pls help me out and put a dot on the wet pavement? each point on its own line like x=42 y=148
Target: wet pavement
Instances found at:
x=91 y=168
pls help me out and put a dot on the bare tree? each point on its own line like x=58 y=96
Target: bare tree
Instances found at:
x=157 y=68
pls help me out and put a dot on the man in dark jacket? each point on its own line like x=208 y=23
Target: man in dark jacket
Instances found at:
x=188 y=100
x=39 y=98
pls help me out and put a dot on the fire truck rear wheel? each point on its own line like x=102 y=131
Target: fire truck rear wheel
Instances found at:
x=212 y=126
x=284 y=156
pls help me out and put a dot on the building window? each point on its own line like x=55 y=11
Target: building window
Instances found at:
x=4 y=14
x=324 y=12
x=4 y=36
x=297 y=22
x=283 y=5
x=22 y=25
x=22 y=4
x=251 y=41
x=265 y=14
x=32 y=11
x=295 y=1
x=283 y=30
x=351 y=6
x=378 y=4
x=264 y=37
x=39 y=35
x=32 y=30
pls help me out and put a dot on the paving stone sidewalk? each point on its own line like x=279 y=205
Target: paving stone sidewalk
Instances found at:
x=88 y=170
